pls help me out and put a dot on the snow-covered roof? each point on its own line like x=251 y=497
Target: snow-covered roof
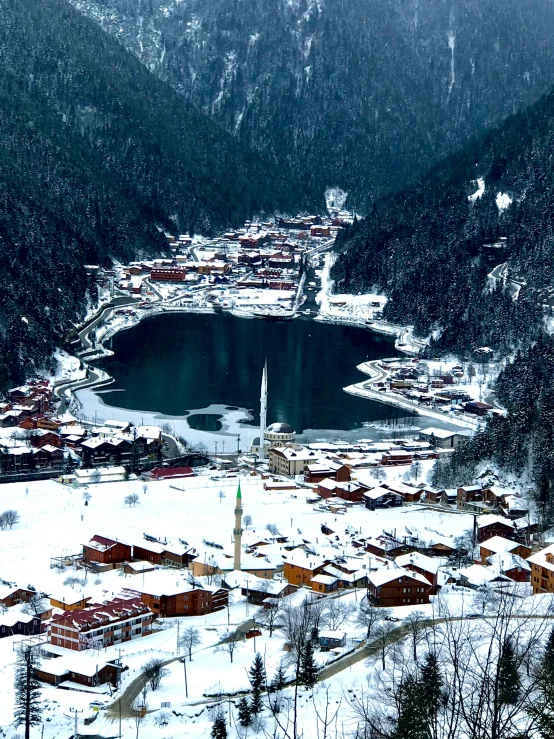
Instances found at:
x=540 y=558
x=441 y=433
x=296 y=454
x=329 y=634
x=379 y=492
x=388 y=574
x=429 y=564
x=11 y=618
x=160 y=582
x=488 y=519
x=505 y=561
x=480 y=575
x=499 y=544
x=325 y=579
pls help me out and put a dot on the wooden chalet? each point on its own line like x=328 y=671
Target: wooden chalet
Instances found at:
x=104 y=551
x=394 y=586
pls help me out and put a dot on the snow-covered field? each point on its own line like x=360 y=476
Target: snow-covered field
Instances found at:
x=55 y=521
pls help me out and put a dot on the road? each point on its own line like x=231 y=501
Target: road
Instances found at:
x=60 y=390
x=88 y=327
x=366 y=389
x=133 y=690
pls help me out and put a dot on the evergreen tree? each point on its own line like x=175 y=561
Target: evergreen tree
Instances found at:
x=508 y=675
x=307 y=674
x=411 y=722
x=245 y=713
x=431 y=684
x=257 y=677
x=548 y=659
x=542 y=707
x=219 y=728
x=28 y=709
x=279 y=679
x=314 y=636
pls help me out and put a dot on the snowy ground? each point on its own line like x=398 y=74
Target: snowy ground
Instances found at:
x=55 y=521
x=361 y=310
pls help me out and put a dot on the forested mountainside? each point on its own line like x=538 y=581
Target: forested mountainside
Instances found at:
x=523 y=441
x=426 y=246
x=96 y=156
x=362 y=94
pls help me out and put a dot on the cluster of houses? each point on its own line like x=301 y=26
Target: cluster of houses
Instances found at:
x=260 y=255
x=316 y=462
x=413 y=379
x=42 y=440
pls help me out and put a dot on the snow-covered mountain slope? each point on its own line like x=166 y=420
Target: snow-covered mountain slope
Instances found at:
x=364 y=94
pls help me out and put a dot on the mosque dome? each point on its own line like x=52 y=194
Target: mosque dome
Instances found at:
x=280 y=428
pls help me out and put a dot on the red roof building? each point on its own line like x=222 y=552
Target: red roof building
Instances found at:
x=168 y=473
x=116 y=621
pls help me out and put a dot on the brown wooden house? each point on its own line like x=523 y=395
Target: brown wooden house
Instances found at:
x=490 y=525
x=102 y=550
x=394 y=586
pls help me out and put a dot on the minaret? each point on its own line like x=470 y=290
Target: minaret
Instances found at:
x=263 y=412
x=238 y=530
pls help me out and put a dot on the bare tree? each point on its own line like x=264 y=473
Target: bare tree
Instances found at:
x=370 y=616
x=96 y=476
x=272 y=528
x=230 y=642
x=270 y=613
x=191 y=638
x=378 y=473
x=221 y=495
x=248 y=520
x=485 y=598
x=86 y=497
x=299 y=622
x=154 y=671
x=36 y=604
x=9 y=518
x=139 y=712
x=416 y=624
x=132 y=500
x=384 y=640
x=336 y=612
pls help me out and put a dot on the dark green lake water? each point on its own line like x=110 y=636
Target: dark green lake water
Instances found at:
x=175 y=363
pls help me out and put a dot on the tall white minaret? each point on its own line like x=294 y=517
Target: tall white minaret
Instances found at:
x=237 y=531
x=263 y=412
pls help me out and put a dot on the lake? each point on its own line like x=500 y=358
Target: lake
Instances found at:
x=173 y=363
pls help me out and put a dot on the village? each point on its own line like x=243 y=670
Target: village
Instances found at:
x=131 y=563
x=140 y=546
x=121 y=546
x=257 y=271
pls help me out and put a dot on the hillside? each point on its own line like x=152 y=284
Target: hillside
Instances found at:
x=426 y=246
x=97 y=156
x=522 y=442
x=362 y=95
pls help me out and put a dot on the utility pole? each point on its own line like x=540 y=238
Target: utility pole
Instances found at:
x=177 y=651
x=76 y=729
x=186 y=683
